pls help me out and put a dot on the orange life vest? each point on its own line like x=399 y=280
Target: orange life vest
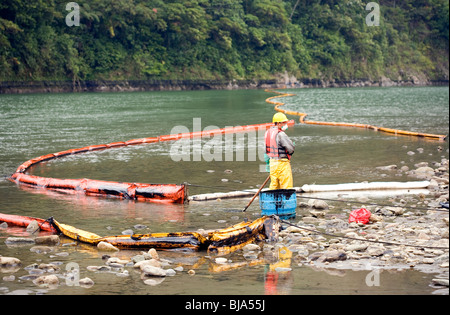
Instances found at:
x=272 y=149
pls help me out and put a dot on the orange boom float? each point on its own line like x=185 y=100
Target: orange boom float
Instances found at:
x=343 y=124
x=24 y=221
x=132 y=191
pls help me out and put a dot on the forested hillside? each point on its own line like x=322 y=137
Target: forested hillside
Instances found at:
x=222 y=39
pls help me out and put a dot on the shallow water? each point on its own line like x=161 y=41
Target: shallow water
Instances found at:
x=33 y=125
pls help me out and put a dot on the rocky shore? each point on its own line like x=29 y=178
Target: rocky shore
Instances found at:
x=131 y=86
x=412 y=233
x=281 y=81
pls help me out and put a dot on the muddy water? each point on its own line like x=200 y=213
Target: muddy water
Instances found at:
x=33 y=125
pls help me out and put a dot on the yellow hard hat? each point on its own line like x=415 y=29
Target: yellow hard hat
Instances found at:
x=279 y=118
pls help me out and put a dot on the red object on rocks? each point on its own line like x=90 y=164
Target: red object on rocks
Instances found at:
x=360 y=216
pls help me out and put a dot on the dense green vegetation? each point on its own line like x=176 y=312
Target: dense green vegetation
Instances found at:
x=222 y=39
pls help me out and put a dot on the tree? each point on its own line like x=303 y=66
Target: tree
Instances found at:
x=221 y=39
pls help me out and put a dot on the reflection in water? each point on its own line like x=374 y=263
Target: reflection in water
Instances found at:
x=279 y=278
x=91 y=207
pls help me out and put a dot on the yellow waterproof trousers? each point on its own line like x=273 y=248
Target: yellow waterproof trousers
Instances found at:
x=281 y=174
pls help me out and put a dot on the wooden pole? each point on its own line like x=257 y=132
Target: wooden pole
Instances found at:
x=257 y=193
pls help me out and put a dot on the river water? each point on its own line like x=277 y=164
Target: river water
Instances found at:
x=38 y=124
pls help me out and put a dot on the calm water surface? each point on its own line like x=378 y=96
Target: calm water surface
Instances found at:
x=33 y=125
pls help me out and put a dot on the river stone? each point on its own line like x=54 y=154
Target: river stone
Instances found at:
x=41 y=249
x=19 y=241
x=318 y=213
x=332 y=256
x=443 y=282
x=387 y=168
x=47 y=240
x=99 y=268
x=36 y=272
x=293 y=229
x=388 y=211
x=9 y=278
x=375 y=218
x=46 y=280
x=179 y=268
x=305 y=239
x=116 y=265
x=137 y=258
x=320 y=205
x=356 y=247
x=444 y=264
x=154 y=281
x=9 y=262
x=140 y=226
x=375 y=250
x=337 y=224
x=104 y=246
x=116 y=260
x=151 y=262
x=250 y=247
x=153 y=253
x=33 y=227
x=423 y=236
x=21 y=292
x=123 y=274
x=428 y=261
x=221 y=260
x=153 y=271
x=424 y=170
x=398 y=210
x=86 y=282
x=48 y=267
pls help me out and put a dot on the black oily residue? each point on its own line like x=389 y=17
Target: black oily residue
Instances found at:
x=278 y=196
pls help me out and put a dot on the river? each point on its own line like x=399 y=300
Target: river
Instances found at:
x=37 y=124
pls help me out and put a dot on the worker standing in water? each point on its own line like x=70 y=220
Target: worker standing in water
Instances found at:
x=279 y=149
